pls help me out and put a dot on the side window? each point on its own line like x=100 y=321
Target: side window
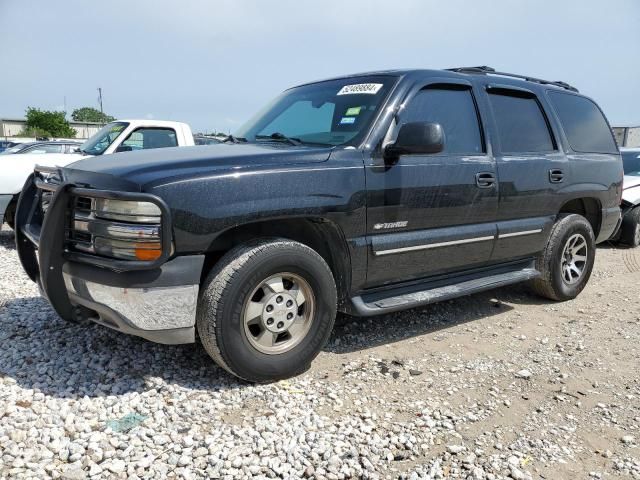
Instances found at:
x=522 y=126
x=583 y=123
x=455 y=110
x=145 y=138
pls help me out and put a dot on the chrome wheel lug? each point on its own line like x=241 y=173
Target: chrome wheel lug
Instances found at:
x=280 y=325
x=269 y=321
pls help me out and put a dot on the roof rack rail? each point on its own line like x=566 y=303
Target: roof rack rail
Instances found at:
x=492 y=71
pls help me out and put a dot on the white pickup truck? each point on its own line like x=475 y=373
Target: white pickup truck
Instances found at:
x=119 y=136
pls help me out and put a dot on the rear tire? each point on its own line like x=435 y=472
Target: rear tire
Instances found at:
x=567 y=260
x=630 y=228
x=267 y=309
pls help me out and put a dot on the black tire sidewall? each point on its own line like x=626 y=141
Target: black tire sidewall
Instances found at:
x=10 y=214
x=633 y=223
x=235 y=348
x=564 y=290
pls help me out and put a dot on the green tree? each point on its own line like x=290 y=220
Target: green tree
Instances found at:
x=44 y=123
x=90 y=114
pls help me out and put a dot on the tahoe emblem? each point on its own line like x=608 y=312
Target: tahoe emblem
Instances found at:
x=384 y=226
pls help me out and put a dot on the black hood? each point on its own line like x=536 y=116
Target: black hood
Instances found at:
x=152 y=165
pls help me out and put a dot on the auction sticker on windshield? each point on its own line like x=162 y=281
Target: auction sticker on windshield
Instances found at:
x=348 y=120
x=360 y=88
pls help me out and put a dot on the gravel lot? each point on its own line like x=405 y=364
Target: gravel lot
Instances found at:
x=497 y=385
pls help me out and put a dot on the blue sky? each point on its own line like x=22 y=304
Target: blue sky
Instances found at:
x=215 y=63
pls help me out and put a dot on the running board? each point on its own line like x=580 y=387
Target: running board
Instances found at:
x=385 y=302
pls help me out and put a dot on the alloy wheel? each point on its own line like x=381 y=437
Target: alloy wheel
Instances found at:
x=278 y=314
x=574 y=259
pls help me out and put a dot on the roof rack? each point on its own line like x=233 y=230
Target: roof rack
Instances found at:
x=484 y=70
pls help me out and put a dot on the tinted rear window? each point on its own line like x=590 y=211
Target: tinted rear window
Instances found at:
x=522 y=127
x=583 y=124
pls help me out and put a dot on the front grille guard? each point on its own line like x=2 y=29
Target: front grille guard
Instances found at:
x=41 y=237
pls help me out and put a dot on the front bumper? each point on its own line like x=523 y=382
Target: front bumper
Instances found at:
x=156 y=301
x=160 y=307
x=5 y=200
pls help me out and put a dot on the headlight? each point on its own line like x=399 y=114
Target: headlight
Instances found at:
x=127 y=211
x=121 y=229
x=147 y=251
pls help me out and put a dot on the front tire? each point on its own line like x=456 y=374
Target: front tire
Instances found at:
x=567 y=260
x=267 y=309
x=630 y=228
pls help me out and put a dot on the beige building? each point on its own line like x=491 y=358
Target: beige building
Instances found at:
x=11 y=127
x=627 y=136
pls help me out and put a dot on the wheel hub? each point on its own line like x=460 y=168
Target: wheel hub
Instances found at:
x=279 y=312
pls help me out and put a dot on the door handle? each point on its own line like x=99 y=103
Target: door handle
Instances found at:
x=485 y=179
x=556 y=175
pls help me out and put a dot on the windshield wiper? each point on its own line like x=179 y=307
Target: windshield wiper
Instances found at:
x=281 y=138
x=232 y=139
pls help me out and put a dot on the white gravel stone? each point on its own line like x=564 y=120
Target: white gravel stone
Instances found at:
x=628 y=439
x=117 y=466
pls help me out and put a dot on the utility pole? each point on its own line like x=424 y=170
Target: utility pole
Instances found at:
x=100 y=99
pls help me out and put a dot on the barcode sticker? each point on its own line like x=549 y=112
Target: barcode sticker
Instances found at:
x=361 y=88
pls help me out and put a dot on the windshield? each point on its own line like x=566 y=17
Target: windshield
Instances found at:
x=98 y=143
x=336 y=112
x=631 y=163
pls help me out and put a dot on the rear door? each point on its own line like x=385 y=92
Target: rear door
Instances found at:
x=435 y=213
x=531 y=170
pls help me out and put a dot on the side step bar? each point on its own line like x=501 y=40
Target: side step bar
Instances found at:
x=402 y=299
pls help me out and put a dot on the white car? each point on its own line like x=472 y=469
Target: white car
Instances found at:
x=629 y=232
x=42 y=148
x=118 y=136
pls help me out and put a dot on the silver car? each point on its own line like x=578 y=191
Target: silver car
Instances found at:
x=629 y=232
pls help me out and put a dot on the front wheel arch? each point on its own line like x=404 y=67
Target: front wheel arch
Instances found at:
x=318 y=233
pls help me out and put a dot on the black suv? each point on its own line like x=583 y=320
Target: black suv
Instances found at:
x=365 y=194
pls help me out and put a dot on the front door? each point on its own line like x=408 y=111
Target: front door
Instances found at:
x=433 y=214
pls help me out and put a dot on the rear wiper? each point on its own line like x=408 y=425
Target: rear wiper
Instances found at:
x=281 y=137
x=232 y=139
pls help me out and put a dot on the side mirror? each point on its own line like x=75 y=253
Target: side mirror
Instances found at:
x=416 y=138
x=124 y=148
